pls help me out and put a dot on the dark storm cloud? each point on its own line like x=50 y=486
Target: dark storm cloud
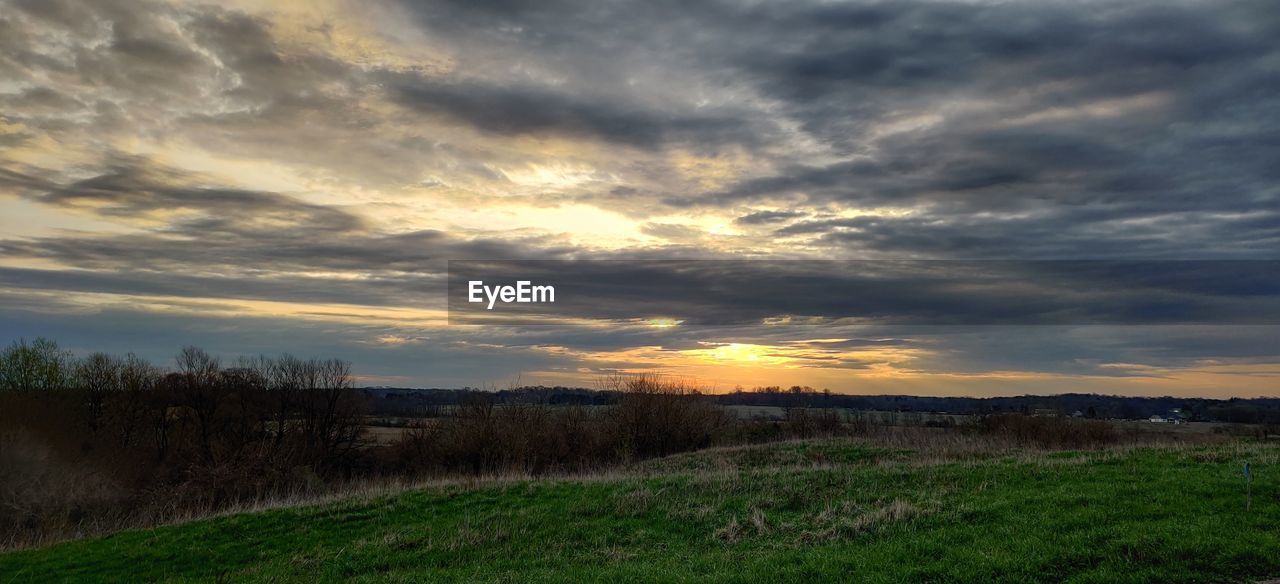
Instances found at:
x=1084 y=123
x=276 y=288
x=766 y=217
x=73 y=15
x=844 y=47
x=646 y=75
x=519 y=111
x=1053 y=234
x=234 y=250
x=1107 y=351
x=266 y=72
x=41 y=98
x=131 y=186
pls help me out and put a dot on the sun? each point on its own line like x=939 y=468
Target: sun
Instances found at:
x=740 y=353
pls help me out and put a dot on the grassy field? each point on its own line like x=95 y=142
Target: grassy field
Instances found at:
x=833 y=509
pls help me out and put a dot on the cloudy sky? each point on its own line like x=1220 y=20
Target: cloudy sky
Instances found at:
x=267 y=176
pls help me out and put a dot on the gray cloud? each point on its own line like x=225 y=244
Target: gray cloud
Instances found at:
x=766 y=217
x=233 y=243
x=915 y=129
x=131 y=186
x=519 y=111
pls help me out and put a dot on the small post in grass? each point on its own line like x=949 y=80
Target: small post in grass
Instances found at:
x=1248 y=487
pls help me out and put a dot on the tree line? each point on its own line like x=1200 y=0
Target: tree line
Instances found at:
x=116 y=440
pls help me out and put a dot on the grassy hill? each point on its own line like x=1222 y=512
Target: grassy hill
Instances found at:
x=795 y=511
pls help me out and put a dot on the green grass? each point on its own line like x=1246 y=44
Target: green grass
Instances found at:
x=795 y=511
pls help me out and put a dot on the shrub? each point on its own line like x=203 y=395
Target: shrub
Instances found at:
x=1047 y=431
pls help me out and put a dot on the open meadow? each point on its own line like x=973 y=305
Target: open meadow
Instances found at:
x=951 y=509
x=279 y=470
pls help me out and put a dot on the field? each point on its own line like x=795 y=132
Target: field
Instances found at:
x=832 y=508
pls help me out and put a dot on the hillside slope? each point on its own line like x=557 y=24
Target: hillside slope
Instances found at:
x=799 y=510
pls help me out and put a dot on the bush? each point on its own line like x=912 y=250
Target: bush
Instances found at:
x=1047 y=431
x=656 y=417
x=809 y=423
x=653 y=417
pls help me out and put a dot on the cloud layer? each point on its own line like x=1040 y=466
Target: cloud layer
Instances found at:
x=313 y=165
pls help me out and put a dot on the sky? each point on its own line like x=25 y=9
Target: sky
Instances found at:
x=261 y=177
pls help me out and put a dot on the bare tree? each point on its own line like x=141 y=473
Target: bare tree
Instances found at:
x=243 y=390
x=331 y=412
x=97 y=375
x=130 y=409
x=36 y=366
x=196 y=391
x=288 y=377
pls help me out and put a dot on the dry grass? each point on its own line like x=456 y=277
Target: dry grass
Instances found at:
x=846 y=521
